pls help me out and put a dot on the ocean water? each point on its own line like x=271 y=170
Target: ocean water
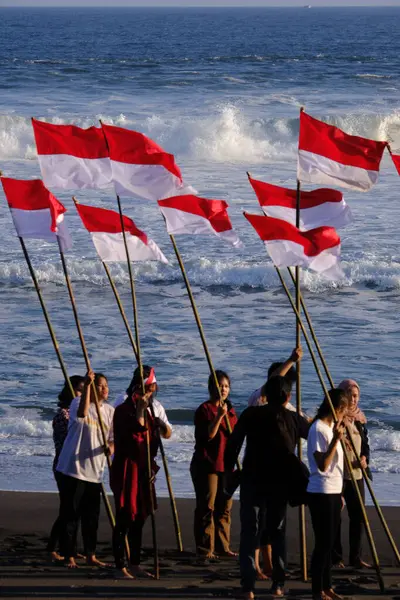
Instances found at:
x=221 y=89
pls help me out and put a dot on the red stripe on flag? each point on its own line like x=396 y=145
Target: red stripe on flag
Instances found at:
x=31 y=194
x=107 y=221
x=314 y=241
x=333 y=143
x=396 y=161
x=69 y=139
x=274 y=195
x=212 y=210
x=134 y=148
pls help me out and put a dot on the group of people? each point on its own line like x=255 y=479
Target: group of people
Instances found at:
x=271 y=477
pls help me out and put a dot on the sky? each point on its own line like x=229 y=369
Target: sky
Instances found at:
x=187 y=3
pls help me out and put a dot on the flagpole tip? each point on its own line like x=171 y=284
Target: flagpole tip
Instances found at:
x=75 y=200
x=302 y=108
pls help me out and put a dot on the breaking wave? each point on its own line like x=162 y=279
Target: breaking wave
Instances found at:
x=227 y=134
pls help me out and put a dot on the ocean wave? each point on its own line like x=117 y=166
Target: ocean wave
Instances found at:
x=207 y=273
x=227 y=134
x=373 y=76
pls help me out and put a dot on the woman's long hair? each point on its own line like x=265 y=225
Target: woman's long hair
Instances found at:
x=65 y=397
x=339 y=400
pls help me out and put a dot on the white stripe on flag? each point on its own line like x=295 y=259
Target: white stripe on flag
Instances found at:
x=110 y=247
x=36 y=224
x=152 y=182
x=285 y=253
x=64 y=171
x=314 y=168
x=331 y=214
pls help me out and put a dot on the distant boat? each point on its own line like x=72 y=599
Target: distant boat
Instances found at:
x=307 y=6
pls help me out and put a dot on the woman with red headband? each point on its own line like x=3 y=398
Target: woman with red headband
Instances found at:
x=134 y=429
x=212 y=517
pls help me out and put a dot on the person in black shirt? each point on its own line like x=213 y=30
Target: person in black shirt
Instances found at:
x=269 y=477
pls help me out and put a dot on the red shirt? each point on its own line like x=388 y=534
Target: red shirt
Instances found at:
x=211 y=452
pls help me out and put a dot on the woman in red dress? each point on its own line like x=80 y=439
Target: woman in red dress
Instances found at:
x=133 y=487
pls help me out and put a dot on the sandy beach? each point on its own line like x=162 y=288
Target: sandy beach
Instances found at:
x=25 y=571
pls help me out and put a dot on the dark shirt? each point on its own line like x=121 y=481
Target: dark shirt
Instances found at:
x=211 y=452
x=60 y=430
x=271 y=437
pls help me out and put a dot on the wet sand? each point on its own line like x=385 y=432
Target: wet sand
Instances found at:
x=26 y=572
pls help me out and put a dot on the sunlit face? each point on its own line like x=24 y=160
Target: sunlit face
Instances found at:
x=354 y=396
x=225 y=388
x=79 y=389
x=102 y=389
x=151 y=387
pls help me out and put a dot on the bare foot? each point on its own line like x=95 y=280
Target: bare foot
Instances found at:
x=248 y=596
x=332 y=594
x=123 y=574
x=55 y=556
x=339 y=565
x=79 y=555
x=92 y=561
x=261 y=576
x=229 y=553
x=139 y=572
x=361 y=564
x=71 y=564
x=277 y=591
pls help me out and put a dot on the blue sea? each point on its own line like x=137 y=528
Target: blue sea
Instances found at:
x=221 y=89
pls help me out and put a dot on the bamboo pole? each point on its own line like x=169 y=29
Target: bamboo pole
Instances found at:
x=302 y=512
x=87 y=362
x=347 y=460
x=140 y=365
x=366 y=478
x=199 y=326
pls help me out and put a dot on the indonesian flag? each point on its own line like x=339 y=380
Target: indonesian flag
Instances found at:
x=35 y=211
x=106 y=231
x=317 y=249
x=327 y=155
x=198 y=216
x=319 y=208
x=72 y=158
x=142 y=168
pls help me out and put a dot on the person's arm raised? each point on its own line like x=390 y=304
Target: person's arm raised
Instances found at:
x=84 y=403
x=296 y=356
x=324 y=459
x=216 y=422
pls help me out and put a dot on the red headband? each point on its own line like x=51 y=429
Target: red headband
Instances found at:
x=151 y=378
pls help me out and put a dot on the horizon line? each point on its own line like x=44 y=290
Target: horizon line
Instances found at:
x=172 y=5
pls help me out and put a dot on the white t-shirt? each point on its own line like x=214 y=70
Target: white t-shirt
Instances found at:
x=82 y=455
x=255 y=399
x=159 y=410
x=330 y=481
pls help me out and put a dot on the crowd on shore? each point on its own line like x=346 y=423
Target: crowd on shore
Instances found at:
x=271 y=477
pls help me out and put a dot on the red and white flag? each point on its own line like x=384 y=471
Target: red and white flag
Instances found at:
x=72 y=158
x=327 y=155
x=142 y=168
x=317 y=249
x=35 y=211
x=319 y=208
x=198 y=216
x=106 y=230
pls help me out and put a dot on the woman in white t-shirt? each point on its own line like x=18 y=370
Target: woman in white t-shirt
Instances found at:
x=81 y=465
x=325 y=458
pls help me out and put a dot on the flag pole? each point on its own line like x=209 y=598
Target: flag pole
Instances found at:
x=199 y=326
x=302 y=513
x=346 y=456
x=365 y=476
x=87 y=362
x=140 y=365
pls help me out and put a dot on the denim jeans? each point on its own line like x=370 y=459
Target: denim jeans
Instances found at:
x=254 y=505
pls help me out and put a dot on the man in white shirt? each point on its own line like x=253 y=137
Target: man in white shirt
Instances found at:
x=159 y=411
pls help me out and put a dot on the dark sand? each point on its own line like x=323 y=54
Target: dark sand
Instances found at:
x=25 y=571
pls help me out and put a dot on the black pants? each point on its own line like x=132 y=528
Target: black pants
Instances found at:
x=79 y=500
x=55 y=534
x=124 y=526
x=261 y=513
x=325 y=515
x=356 y=524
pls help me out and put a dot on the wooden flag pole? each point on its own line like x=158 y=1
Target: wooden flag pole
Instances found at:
x=347 y=460
x=366 y=478
x=140 y=365
x=87 y=362
x=302 y=513
x=198 y=321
